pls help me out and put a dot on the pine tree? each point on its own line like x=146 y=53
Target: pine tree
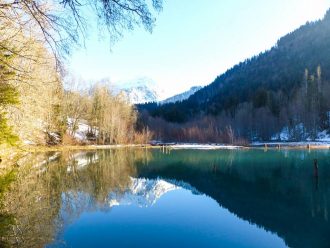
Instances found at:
x=8 y=96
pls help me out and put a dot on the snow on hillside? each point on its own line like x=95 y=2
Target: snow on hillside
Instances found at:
x=323 y=136
x=82 y=129
x=182 y=96
x=287 y=134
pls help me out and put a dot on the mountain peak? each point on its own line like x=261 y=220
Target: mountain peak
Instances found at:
x=141 y=90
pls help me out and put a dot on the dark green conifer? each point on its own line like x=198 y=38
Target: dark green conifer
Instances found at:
x=8 y=96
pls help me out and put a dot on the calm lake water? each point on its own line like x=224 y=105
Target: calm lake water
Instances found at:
x=177 y=198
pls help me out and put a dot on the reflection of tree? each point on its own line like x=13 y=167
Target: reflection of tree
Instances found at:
x=42 y=192
x=272 y=189
x=6 y=220
x=268 y=189
x=28 y=202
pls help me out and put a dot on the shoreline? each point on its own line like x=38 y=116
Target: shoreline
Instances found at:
x=11 y=155
x=175 y=146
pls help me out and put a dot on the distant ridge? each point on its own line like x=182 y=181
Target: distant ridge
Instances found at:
x=182 y=96
x=279 y=69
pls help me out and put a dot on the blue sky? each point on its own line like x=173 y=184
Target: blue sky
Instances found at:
x=193 y=41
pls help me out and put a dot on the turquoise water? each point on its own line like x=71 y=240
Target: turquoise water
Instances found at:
x=177 y=198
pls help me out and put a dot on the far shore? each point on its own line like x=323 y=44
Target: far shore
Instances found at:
x=11 y=155
x=201 y=146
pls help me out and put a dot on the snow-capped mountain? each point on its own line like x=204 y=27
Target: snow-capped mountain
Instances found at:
x=182 y=96
x=141 y=90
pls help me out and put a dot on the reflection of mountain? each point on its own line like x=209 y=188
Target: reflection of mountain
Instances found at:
x=145 y=192
x=267 y=189
x=274 y=189
x=142 y=192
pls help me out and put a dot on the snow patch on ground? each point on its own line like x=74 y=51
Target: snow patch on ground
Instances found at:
x=28 y=142
x=323 y=136
x=300 y=143
x=204 y=146
x=80 y=134
x=284 y=135
x=287 y=134
x=82 y=130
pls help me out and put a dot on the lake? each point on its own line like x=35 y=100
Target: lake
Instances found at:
x=133 y=197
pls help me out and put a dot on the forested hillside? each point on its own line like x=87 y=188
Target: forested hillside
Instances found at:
x=284 y=88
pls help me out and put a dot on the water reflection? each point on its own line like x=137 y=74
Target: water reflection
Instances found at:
x=44 y=183
x=276 y=190
x=54 y=194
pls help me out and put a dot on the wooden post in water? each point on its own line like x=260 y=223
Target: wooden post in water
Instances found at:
x=214 y=169
x=265 y=147
x=316 y=169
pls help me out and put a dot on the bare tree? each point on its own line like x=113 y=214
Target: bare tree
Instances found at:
x=61 y=23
